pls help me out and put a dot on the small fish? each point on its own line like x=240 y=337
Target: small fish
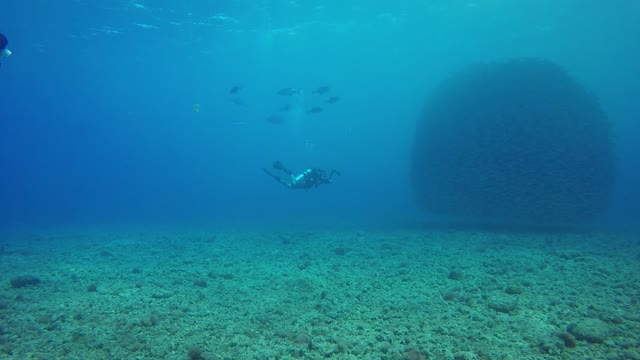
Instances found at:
x=316 y=110
x=286 y=107
x=289 y=92
x=234 y=90
x=275 y=119
x=321 y=90
x=333 y=100
x=196 y=108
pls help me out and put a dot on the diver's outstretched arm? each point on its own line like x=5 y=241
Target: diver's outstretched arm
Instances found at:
x=276 y=177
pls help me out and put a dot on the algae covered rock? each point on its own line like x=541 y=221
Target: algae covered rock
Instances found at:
x=517 y=142
x=24 y=281
x=591 y=330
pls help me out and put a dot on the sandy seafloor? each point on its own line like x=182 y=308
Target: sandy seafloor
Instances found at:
x=320 y=294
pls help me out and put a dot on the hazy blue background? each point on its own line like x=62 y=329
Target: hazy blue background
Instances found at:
x=98 y=127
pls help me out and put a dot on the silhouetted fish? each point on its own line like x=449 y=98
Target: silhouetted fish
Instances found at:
x=289 y=92
x=286 y=107
x=316 y=110
x=321 y=90
x=333 y=100
x=275 y=119
x=234 y=90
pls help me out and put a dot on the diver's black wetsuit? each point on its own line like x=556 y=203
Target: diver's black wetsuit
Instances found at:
x=308 y=179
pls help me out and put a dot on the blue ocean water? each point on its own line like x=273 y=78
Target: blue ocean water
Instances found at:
x=137 y=221
x=119 y=112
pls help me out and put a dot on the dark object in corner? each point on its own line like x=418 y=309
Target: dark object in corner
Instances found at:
x=24 y=281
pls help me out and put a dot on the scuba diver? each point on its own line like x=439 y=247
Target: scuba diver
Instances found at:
x=306 y=180
x=4 y=50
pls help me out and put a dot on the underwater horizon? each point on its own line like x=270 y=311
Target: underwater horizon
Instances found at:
x=307 y=179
